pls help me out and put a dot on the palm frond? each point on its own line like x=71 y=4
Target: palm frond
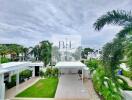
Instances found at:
x=125 y=31
x=119 y=17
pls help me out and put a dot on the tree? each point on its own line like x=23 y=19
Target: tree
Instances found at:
x=25 y=53
x=45 y=53
x=111 y=55
x=15 y=50
x=116 y=17
x=3 y=50
x=85 y=52
x=36 y=52
x=128 y=53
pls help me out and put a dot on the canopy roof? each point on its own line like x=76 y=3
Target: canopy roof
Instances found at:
x=75 y=64
x=6 y=67
x=11 y=66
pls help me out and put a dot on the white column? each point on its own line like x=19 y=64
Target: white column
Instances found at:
x=2 y=87
x=17 y=80
x=9 y=77
x=33 y=72
x=82 y=75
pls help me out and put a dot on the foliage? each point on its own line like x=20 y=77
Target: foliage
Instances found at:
x=4 y=60
x=13 y=49
x=36 y=53
x=41 y=73
x=51 y=72
x=128 y=52
x=45 y=52
x=121 y=18
x=92 y=64
x=127 y=74
x=123 y=84
x=12 y=83
x=117 y=17
x=86 y=51
x=24 y=74
x=44 y=88
x=55 y=71
x=105 y=86
x=112 y=53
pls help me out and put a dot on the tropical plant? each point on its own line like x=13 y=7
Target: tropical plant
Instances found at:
x=25 y=53
x=112 y=53
x=105 y=86
x=116 y=17
x=36 y=52
x=92 y=64
x=121 y=18
x=46 y=52
x=127 y=74
x=128 y=53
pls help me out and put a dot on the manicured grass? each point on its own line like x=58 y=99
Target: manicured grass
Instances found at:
x=44 y=88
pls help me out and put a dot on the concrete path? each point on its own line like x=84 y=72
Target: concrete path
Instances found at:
x=11 y=93
x=71 y=88
x=127 y=95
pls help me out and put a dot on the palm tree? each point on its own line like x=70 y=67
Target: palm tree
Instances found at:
x=112 y=52
x=25 y=53
x=116 y=17
x=36 y=52
x=46 y=49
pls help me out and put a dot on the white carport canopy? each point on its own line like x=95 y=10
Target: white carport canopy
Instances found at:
x=70 y=65
x=76 y=64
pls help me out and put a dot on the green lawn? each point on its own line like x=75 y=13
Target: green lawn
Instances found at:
x=44 y=88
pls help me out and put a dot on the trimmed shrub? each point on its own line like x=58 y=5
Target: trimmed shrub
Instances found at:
x=24 y=74
x=12 y=83
x=5 y=60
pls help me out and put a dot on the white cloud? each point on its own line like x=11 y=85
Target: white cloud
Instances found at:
x=29 y=21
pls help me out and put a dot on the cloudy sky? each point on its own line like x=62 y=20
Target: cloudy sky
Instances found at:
x=27 y=22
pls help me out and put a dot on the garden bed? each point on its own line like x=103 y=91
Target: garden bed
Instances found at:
x=44 y=88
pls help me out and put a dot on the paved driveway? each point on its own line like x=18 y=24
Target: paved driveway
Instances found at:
x=70 y=87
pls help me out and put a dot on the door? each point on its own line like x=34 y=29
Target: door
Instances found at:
x=36 y=70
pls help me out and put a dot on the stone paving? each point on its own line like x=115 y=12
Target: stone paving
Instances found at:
x=70 y=87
